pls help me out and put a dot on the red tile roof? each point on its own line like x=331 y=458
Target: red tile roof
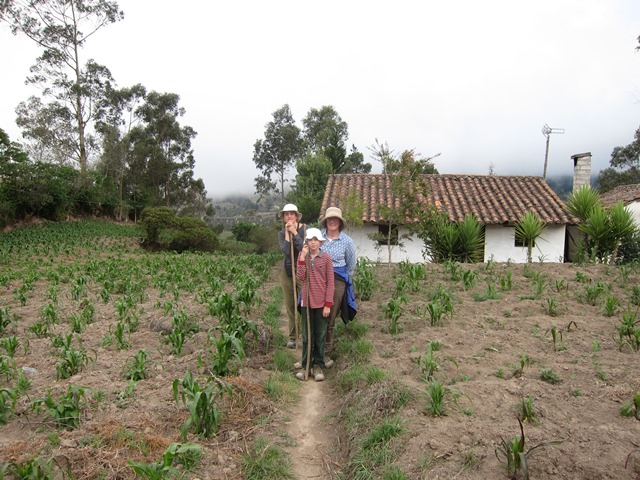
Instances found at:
x=492 y=199
x=626 y=193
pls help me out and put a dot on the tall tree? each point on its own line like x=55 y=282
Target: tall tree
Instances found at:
x=10 y=151
x=61 y=28
x=310 y=183
x=277 y=153
x=326 y=133
x=625 y=166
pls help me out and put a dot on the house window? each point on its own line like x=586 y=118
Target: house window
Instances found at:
x=523 y=243
x=383 y=235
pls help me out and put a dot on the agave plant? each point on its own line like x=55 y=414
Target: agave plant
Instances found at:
x=528 y=229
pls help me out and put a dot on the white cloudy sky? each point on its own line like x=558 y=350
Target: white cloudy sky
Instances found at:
x=474 y=81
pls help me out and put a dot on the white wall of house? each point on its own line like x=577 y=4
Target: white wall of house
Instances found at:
x=500 y=245
x=365 y=247
x=634 y=208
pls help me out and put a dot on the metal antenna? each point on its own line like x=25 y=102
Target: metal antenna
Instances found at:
x=547 y=131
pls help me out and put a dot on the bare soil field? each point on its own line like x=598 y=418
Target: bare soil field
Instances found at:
x=494 y=351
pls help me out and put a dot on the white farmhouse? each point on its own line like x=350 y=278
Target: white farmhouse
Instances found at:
x=498 y=202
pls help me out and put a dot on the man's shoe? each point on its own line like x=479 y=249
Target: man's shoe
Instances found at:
x=328 y=362
x=319 y=376
x=297 y=365
x=300 y=376
x=291 y=344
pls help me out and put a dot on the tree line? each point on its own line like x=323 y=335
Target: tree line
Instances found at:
x=90 y=146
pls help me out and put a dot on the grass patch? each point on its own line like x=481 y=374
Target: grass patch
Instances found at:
x=358 y=375
x=282 y=387
x=266 y=462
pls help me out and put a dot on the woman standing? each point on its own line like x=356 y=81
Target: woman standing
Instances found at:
x=291 y=239
x=343 y=253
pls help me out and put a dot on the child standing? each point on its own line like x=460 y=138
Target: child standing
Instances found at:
x=315 y=271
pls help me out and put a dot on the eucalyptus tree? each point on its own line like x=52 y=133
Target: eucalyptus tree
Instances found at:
x=161 y=159
x=277 y=153
x=61 y=28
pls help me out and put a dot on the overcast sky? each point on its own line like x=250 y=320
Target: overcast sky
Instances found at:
x=474 y=81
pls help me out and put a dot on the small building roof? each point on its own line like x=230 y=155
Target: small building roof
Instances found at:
x=493 y=199
x=627 y=193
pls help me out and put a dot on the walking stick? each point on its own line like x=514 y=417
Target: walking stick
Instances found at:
x=307 y=369
x=295 y=293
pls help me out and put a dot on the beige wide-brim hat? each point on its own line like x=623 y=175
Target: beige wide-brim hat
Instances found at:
x=333 y=212
x=290 y=207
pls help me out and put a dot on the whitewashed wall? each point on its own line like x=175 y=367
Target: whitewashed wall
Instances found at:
x=500 y=245
x=365 y=247
x=634 y=208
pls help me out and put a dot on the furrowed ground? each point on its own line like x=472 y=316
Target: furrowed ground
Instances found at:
x=110 y=355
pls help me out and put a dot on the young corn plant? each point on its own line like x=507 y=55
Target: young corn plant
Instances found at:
x=65 y=413
x=438 y=397
x=469 y=278
x=429 y=364
x=72 y=360
x=631 y=408
x=163 y=468
x=550 y=306
x=135 y=368
x=610 y=306
x=549 y=376
x=527 y=411
x=629 y=330
x=593 y=292
x=8 y=398
x=506 y=282
x=393 y=310
x=363 y=279
x=204 y=415
x=556 y=337
x=514 y=455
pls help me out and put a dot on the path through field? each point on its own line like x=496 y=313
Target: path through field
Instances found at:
x=309 y=428
x=311 y=433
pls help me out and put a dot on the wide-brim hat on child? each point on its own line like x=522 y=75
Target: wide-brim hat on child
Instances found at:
x=290 y=207
x=333 y=212
x=314 y=233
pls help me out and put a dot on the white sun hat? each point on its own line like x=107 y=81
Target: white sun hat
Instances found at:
x=314 y=233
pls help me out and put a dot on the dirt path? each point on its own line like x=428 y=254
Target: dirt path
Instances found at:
x=312 y=432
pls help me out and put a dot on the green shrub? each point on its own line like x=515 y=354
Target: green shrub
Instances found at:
x=167 y=231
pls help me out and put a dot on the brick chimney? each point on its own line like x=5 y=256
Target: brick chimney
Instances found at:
x=581 y=170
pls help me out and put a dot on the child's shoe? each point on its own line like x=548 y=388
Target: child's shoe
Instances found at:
x=297 y=365
x=328 y=363
x=319 y=376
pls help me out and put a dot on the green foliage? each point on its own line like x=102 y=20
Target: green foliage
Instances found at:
x=605 y=229
x=514 y=455
x=65 y=413
x=204 y=415
x=631 y=408
x=363 y=279
x=528 y=229
x=438 y=396
x=242 y=231
x=277 y=153
x=135 y=368
x=458 y=242
x=549 y=376
x=266 y=462
x=527 y=410
x=36 y=468
x=187 y=454
x=165 y=230
x=8 y=398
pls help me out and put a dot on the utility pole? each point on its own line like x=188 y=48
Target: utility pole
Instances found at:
x=547 y=131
